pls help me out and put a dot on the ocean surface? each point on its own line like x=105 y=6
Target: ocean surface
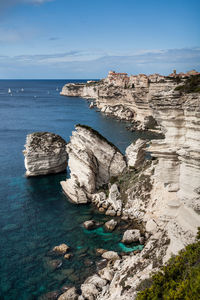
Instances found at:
x=34 y=214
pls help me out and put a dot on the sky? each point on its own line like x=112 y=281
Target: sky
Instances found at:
x=66 y=39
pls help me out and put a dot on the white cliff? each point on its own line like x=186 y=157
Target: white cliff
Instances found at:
x=163 y=193
x=92 y=162
x=45 y=153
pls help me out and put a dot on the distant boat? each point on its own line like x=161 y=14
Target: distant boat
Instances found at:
x=22 y=90
x=9 y=91
x=57 y=89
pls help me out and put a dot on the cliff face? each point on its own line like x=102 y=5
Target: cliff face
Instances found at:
x=177 y=174
x=176 y=180
x=164 y=194
x=80 y=90
x=92 y=162
x=45 y=153
x=127 y=100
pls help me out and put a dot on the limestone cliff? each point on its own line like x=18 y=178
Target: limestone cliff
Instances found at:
x=163 y=193
x=92 y=162
x=177 y=174
x=45 y=153
x=127 y=98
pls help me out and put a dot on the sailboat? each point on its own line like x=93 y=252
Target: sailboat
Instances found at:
x=9 y=91
x=22 y=90
x=57 y=89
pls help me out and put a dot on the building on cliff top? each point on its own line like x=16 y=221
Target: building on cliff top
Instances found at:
x=120 y=79
x=181 y=74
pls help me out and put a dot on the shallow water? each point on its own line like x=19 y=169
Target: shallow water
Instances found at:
x=34 y=214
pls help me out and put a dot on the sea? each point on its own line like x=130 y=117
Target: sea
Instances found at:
x=35 y=215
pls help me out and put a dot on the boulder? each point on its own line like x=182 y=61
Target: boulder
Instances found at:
x=89 y=291
x=97 y=281
x=110 y=225
x=135 y=153
x=151 y=226
x=67 y=256
x=45 y=153
x=61 y=249
x=106 y=274
x=130 y=236
x=89 y=225
x=110 y=255
x=70 y=294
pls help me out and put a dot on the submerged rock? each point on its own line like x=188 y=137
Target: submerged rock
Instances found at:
x=92 y=161
x=50 y=296
x=70 y=294
x=45 y=153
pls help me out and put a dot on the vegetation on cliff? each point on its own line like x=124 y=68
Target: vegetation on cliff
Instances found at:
x=191 y=85
x=179 y=279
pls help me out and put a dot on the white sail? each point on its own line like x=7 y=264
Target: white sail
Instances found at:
x=9 y=91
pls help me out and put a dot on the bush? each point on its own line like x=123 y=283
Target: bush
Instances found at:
x=191 y=85
x=179 y=279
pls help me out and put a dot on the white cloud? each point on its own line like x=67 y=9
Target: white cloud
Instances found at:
x=4 y=4
x=95 y=64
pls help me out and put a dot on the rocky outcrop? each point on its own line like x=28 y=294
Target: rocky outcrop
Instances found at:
x=87 y=90
x=45 y=153
x=92 y=162
x=135 y=153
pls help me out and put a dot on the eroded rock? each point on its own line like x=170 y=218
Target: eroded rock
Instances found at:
x=110 y=225
x=45 y=153
x=110 y=255
x=92 y=161
x=60 y=249
x=135 y=153
x=130 y=236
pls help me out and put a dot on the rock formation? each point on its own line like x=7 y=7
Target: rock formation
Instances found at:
x=135 y=153
x=163 y=194
x=45 y=153
x=92 y=162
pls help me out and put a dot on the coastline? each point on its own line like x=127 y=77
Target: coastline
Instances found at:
x=167 y=229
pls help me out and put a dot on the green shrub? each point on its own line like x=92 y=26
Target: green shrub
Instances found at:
x=191 y=85
x=179 y=279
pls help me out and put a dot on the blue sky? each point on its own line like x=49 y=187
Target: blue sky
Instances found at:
x=86 y=38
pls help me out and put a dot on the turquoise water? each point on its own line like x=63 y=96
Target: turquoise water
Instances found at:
x=34 y=213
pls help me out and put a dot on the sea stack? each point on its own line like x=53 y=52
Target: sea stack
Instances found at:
x=45 y=153
x=92 y=161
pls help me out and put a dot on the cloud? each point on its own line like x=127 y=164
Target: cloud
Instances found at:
x=5 y=4
x=95 y=64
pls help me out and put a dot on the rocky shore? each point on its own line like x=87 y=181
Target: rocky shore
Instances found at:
x=161 y=194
